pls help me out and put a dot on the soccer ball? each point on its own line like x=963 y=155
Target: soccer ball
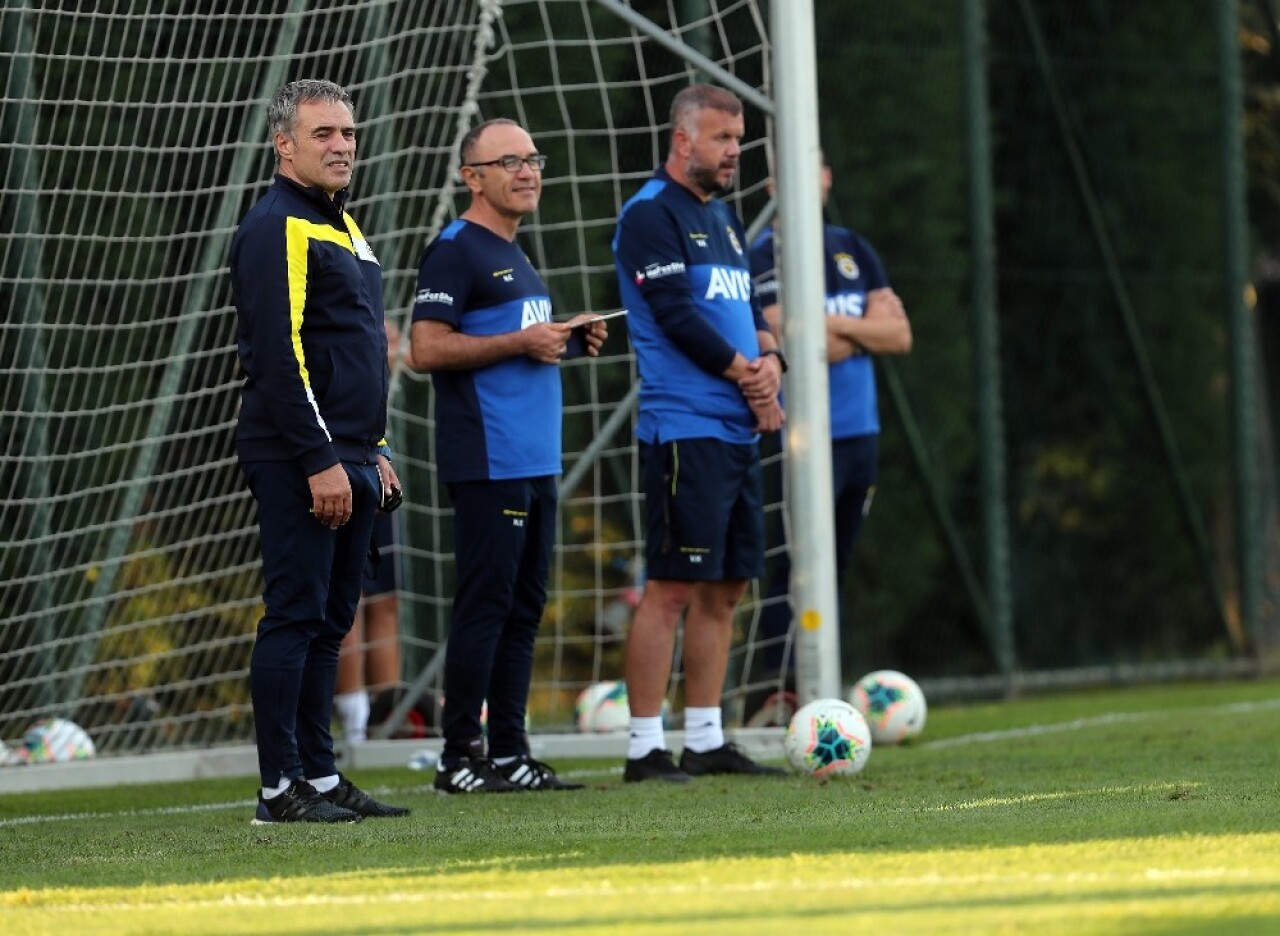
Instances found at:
x=893 y=705
x=7 y=756
x=55 y=740
x=602 y=707
x=828 y=738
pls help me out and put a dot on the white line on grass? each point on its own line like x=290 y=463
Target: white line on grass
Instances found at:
x=1033 y=730
x=1065 y=794
x=120 y=813
x=978 y=737
x=1077 y=724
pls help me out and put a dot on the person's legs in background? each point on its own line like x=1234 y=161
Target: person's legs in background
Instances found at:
x=369 y=664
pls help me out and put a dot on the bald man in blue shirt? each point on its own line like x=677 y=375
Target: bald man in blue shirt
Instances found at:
x=483 y=328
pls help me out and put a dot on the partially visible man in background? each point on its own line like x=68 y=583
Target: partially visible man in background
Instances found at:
x=864 y=318
x=369 y=664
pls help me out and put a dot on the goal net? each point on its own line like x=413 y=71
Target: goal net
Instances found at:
x=134 y=140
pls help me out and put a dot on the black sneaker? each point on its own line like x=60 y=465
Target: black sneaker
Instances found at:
x=301 y=803
x=473 y=775
x=658 y=764
x=347 y=795
x=533 y=774
x=727 y=759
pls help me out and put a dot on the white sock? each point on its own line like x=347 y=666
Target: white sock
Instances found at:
x=273 y=792
x=324 y=784
x=353 y=710
x=702 y=730
x=646 y=736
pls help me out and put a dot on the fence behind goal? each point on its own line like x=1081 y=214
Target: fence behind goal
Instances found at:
x=135 y=138
x=138 y=139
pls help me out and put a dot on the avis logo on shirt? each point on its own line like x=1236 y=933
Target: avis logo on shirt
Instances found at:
x=535 y=311
x=729 y=283
x=845 y=304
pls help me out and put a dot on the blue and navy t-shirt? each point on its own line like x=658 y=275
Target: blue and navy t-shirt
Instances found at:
x=502 y=421
x=852 y=269
x=670 y=248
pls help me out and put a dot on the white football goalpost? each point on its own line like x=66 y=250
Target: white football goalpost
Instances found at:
x=134 y=140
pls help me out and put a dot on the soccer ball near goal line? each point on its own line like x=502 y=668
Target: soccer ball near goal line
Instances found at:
x=828 y=738
x=55 y=740
x=602 y=707
x=893 y=705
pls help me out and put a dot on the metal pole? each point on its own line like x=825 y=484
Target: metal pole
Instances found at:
x=1239 y=311
x=696 y=58
x=986 y=339
x=803 y=295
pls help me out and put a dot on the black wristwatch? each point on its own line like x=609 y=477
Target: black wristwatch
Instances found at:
x=776 y=352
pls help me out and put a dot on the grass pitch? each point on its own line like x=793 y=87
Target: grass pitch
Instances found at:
x=1142 y=811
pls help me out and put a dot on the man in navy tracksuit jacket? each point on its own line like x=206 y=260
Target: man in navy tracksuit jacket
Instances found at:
x=308 y=296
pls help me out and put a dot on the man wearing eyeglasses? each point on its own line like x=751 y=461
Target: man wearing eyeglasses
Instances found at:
x=483 y=328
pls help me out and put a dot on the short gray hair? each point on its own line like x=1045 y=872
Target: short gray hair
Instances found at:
x=694 y=99
x=282 y=112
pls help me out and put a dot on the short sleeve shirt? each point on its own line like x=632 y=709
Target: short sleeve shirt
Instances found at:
x=851 y=270
x=668 y=238
x=501 y=421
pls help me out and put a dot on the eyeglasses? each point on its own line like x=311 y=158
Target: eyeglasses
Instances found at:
x=537 y=162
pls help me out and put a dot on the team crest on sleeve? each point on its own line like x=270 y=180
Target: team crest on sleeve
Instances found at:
x=733 y=239
x=846 y=265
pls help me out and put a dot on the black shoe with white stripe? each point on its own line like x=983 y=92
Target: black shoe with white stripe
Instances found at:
x=473 y=775
x=530 y=774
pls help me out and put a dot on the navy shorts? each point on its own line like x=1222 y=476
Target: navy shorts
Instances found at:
x=704 y=510
x=383 y=578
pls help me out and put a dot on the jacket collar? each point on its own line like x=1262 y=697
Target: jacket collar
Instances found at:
x=333 y=207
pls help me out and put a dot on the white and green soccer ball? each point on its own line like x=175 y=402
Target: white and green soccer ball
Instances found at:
x=602 y=707
x=828 y=738
x=55 y=741
x=893 y=705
